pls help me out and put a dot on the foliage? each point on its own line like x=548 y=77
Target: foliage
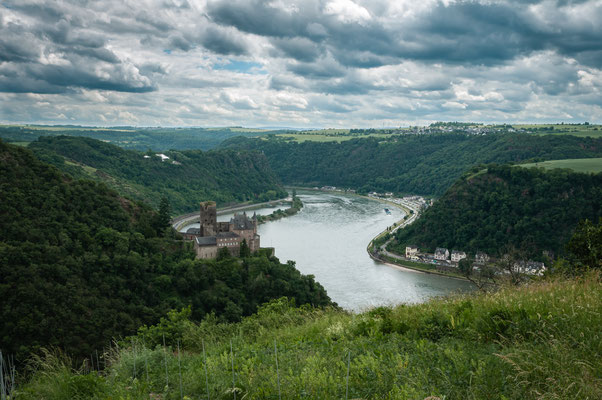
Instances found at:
x=80 y=265
x=223 y=176
x=585 y=247
x=141 y=139
x=537 y=341
x=593 y=165
x=529 y=209
x=419 y=164
x=296 y=206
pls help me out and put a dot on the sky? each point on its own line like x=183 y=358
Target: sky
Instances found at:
x=299 y=64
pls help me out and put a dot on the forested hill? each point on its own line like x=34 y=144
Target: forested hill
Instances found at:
x=186 y=178
x=80 y=265
x=421 y=164
x=530 y=210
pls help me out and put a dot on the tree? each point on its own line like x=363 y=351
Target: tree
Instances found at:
x=223 y=253
x=585 y=247
x=244 y=249
x=163 y=218
x=465 y=266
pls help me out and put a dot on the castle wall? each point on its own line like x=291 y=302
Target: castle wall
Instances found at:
x=206 y=251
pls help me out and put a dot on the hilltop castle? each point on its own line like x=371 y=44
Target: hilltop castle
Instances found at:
x=212 y=235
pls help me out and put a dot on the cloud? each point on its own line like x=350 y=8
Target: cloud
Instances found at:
x=256 y=62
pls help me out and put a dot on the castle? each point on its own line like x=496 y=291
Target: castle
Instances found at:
x=211 y=236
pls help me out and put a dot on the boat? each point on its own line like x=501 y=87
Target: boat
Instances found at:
x=387 y=211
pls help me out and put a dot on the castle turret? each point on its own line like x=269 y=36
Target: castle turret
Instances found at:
x=208 y=218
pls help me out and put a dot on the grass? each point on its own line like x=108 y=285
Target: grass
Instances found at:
x=593 y=165
x=303 y=137
x=541 y=341
x=564 y=129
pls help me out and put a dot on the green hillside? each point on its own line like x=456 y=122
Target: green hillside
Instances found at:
x=187 y=178
x=593 y=165
x=528 y=209
x=420 y=164
x=80 y=265
x=540 y=341
x=142 y=139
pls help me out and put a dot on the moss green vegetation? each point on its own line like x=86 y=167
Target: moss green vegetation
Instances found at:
x=527 y=209
x=314 y=137
x=419 y=164
x=593 y=165
x=538 y=341
x=222 y=176
x=80 y=265
x=581 y=130
x=158 y=139
x=295 y=207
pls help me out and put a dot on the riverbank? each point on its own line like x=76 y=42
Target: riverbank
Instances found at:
x=186 y=219
x=296 y=206
x=377 y=247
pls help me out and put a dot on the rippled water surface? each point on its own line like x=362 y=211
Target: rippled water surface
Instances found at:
x=328 y=239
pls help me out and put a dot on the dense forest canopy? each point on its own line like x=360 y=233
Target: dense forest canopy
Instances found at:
x=419 y=164
x=186 y=178
x=80 y=265
x=529 y=209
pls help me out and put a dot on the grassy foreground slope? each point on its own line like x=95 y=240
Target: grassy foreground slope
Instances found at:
x=224 y=176
x=539 y=341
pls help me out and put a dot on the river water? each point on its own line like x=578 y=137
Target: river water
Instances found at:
x=328 y=239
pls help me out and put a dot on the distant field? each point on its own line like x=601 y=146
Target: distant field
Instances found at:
x=564 y=129
x=579 y=164
x=303 y=137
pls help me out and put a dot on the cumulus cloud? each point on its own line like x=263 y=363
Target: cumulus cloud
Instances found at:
x=256 y=62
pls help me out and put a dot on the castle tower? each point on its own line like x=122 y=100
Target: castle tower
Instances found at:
x=208 y=218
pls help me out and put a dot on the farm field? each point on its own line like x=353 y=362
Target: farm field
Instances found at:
x=312 y=137
x=593 y=165
x=564 y=129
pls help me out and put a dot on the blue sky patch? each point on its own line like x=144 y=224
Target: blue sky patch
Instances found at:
x=244 y=67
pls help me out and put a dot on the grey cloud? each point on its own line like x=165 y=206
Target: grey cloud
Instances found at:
x=49 y=54
x=298 y=48
x=222 y=41
x=467 y=32
x=324 y=68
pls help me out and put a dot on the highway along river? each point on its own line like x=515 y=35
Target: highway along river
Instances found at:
x=328 y=239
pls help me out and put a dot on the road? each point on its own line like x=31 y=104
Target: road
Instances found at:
x=185 y=219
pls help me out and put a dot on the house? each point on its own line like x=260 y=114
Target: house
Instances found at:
x=457 y=255
x=534 y=268
x=441 y=254
x=162 y=156
x=411 y=251
x=481 y=258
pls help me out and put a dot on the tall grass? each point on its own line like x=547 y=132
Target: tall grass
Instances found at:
x=541 y=341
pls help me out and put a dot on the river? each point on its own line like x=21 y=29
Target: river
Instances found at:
x=328 y=239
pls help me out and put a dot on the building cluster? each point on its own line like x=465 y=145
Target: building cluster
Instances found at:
x=211 y=236
x=442 y=257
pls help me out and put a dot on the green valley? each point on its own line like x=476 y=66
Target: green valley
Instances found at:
x=425 y=164
x=184 y=178
x=81 y=265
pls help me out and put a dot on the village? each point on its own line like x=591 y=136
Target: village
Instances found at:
x=446 y=261
x=442 y=258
